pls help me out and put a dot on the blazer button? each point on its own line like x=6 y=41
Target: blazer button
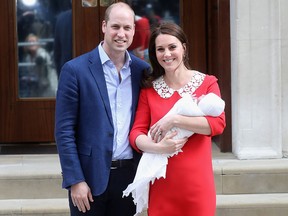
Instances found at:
x=110 y=134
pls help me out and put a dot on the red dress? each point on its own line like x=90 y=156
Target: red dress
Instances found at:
x=188 y=189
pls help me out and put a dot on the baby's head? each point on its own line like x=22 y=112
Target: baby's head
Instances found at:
x=211 y=104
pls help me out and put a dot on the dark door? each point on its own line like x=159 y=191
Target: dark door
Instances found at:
x=27 y=108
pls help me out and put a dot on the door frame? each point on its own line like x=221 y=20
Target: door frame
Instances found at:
x=22 y=120
x=207 y=25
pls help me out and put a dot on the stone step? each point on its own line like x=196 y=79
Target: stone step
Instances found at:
x=34 y=207
x=234 y=176
x=30 y=177
x=227 y=205
x=39 y=176
x=253 y=205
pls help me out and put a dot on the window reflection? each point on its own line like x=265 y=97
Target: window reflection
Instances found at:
x=89 y=3
x=106 y=3
x=150 y=13
x=36 y=20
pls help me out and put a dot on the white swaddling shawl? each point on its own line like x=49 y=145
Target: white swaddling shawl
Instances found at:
x=153 y=166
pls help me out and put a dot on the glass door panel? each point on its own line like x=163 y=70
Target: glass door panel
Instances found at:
x=148 y=14
x=37 y=69
x=89 y=3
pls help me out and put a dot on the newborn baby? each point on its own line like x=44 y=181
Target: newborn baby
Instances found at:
x=152 y=166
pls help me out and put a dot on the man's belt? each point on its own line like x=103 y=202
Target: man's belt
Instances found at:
x=121 y=163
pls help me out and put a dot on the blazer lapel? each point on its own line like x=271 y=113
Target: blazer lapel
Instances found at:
x=98 y=74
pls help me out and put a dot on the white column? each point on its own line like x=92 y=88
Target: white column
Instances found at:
x=256 y=78
x=284 y=75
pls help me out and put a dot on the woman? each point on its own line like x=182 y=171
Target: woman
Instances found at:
x=188 y=188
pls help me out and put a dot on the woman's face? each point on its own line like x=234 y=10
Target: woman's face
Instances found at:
x=169 y=52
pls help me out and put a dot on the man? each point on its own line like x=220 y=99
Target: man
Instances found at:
x=95 y=107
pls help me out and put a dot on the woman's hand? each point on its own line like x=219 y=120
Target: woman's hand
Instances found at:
x=160 y=128
x=168 y=145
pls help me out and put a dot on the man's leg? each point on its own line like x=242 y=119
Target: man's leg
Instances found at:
x=120 y=178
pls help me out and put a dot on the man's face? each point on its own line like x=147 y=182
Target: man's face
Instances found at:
x=118 y=30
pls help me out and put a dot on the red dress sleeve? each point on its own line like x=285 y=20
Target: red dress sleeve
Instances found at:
x=217 y=124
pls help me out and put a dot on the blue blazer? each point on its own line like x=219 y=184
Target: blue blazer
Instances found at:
x=83 y=122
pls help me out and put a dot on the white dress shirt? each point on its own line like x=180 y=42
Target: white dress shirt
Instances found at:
x=120 y=97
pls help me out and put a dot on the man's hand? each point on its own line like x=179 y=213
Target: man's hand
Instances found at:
x=81 y=196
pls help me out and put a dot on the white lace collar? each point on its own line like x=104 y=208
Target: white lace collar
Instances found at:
x=165 y=91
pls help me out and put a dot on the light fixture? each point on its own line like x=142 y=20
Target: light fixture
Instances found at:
x=29 y=3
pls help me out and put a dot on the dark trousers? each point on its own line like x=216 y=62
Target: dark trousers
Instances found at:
x=111 y=203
